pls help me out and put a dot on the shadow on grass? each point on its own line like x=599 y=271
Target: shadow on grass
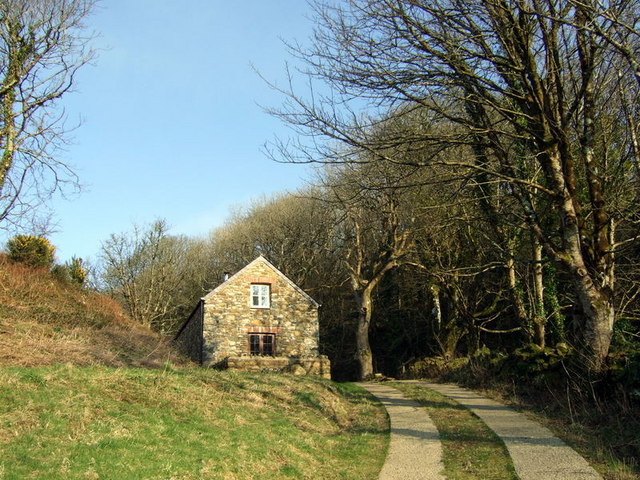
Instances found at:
x=424 y=403
x=287 y=393
x=355 y=396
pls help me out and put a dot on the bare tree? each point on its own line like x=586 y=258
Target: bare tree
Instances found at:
x=147 y=271
x=42 y=46
x=521 y=83
x=375 y=231
x=292 y=230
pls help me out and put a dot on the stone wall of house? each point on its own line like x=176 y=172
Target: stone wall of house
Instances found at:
x=229 y=317
x=189 y=337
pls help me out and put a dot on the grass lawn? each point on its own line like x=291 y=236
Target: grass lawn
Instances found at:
x=65 y=422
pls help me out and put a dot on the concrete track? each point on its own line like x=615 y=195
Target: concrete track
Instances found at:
x=415 y=451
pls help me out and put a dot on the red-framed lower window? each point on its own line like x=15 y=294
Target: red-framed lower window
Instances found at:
x=263 y=344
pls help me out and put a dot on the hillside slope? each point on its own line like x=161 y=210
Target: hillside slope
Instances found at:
x=66 y=422
x=67 y=413
x=44 y=321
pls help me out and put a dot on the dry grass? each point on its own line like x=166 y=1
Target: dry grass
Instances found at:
x=44 y=321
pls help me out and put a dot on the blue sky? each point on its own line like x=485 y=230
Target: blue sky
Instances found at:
x=171 y=120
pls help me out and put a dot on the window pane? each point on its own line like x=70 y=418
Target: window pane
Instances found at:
x=254 y=344
x=265 y=293
x=267 y=345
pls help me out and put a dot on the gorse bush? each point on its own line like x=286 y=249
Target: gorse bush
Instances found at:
x=77 y=272
x=71 y=272
x=31 y=250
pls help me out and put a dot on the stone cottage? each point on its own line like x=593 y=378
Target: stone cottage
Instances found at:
x=256 y=320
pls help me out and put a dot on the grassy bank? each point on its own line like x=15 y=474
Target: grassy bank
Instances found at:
x=45 y=321
x=66 y=422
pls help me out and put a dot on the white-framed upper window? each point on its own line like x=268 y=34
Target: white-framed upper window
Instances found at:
x=260 y=297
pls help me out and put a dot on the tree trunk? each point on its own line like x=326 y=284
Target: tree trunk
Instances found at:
x=8 y=133
x=450 y=339
x=598 y=313
x=450 y=332
x=539 y=318
x=516 y=293
x=596 y=281
x=364 y=357
x=437 y=308
x=593 y=287
x=395 y=244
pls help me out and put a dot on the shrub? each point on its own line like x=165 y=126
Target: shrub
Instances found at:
x=433 y=367
x=61 y=272
x=533 y=363
x=72 y=272
x=624 y=369
x=530 y=365
x=77 y=272
x=31 y=250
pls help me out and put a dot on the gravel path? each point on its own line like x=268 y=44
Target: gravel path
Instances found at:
x=415 y=451
x=536 y=453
